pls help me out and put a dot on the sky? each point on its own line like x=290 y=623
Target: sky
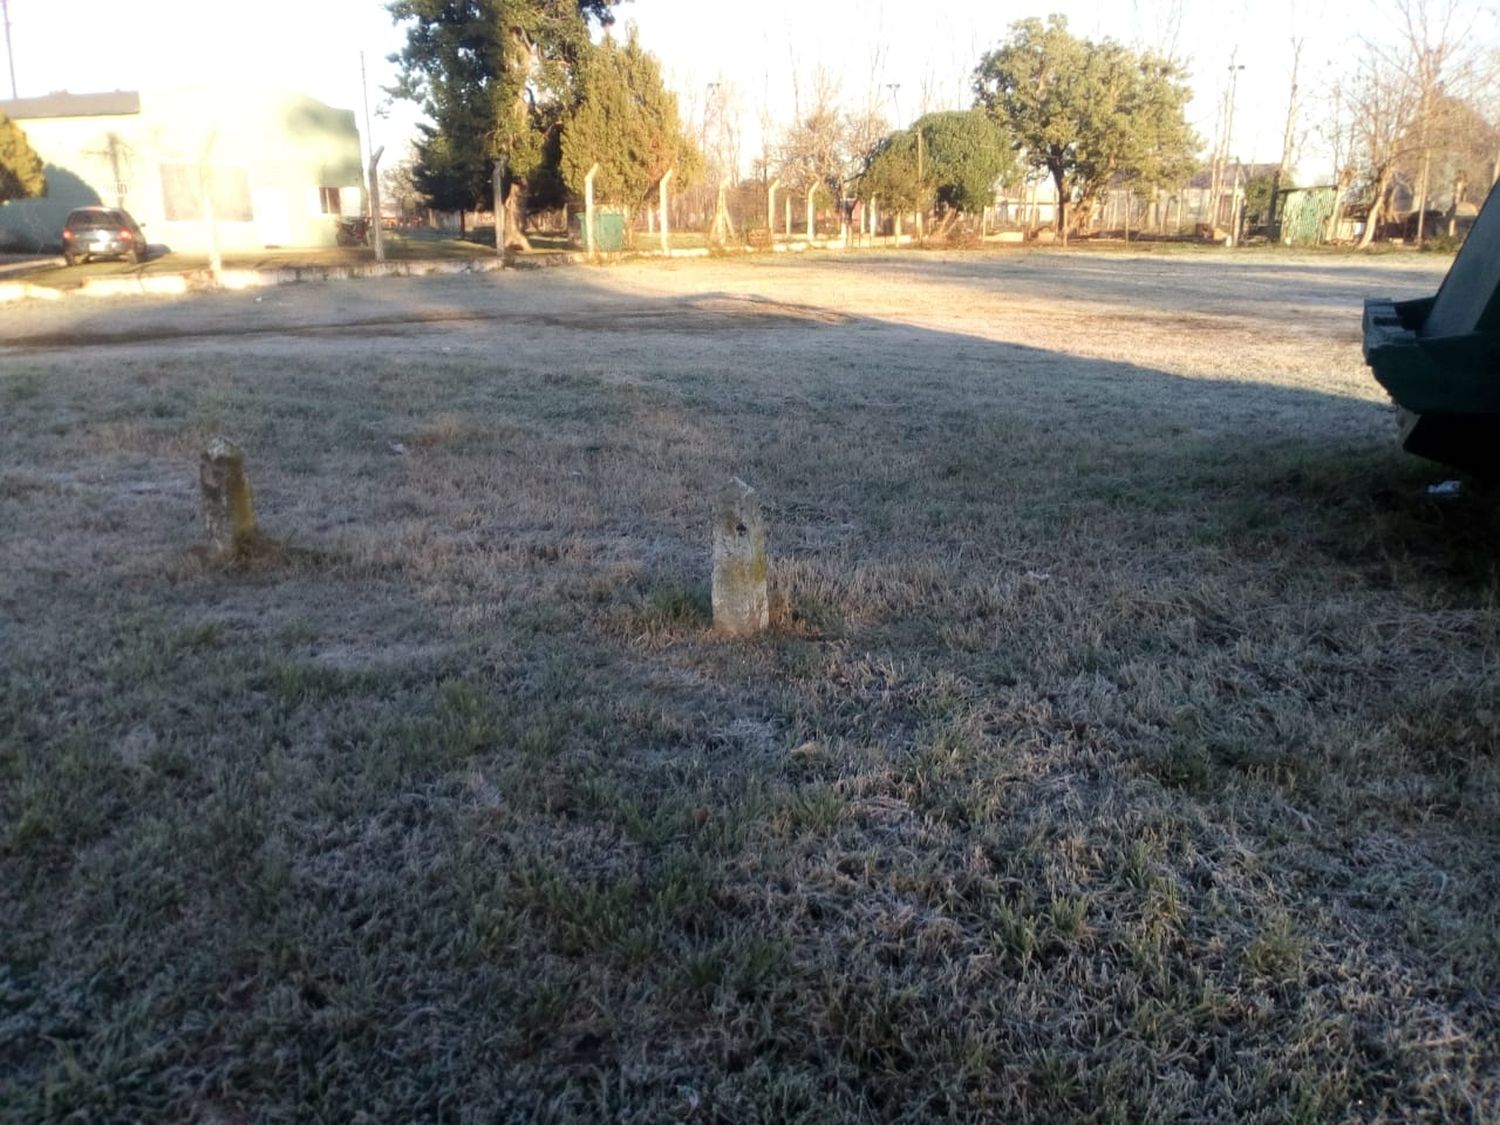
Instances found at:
x=761 y=57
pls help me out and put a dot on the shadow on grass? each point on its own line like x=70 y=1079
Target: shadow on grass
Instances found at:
x=1005 y=831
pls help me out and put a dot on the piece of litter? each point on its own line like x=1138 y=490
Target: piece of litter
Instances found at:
x=1447 y=488
x=1038 y=576
x=398 y=447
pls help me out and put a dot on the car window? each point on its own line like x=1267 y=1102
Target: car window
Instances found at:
x=91 y=220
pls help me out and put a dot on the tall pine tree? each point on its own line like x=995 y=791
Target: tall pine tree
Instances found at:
x=627 y=121
x=497 y=78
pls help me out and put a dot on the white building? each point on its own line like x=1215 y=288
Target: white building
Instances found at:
x=280 y=167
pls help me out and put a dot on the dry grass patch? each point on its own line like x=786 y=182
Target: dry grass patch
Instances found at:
x=1123 y=748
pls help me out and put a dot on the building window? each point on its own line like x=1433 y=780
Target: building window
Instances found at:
x=183 y=202
x=329 y=198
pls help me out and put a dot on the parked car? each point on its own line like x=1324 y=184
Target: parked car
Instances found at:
x=102 y=232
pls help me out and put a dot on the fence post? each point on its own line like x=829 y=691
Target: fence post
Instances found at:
x=588 y=211
x=666 y=241
x=812 y=230
x=771 y=210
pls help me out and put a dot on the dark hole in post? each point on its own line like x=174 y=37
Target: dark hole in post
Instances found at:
x=739 y=529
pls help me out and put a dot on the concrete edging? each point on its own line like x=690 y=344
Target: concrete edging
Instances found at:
x=202 y=280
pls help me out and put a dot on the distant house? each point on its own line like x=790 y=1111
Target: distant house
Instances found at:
x=280 y=167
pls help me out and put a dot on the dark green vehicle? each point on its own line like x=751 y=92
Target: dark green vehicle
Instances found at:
x=1439 y=356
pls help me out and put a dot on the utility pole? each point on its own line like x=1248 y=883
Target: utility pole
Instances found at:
x=1234 y=77
x=372 y=195
x=375 y=202
x=1284 y=169
x=9 y=54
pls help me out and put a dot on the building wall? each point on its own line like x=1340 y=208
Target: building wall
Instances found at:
x=271 y=157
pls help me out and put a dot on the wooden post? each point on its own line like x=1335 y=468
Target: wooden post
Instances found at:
x=588 y=211
x=666 y=237
x=812 y=229
x=771 y=210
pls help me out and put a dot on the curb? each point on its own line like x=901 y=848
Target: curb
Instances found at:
x=202 y=280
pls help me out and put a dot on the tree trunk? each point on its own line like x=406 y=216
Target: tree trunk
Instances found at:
x=1377 y=208
x=515 y=237
x=1062 y=205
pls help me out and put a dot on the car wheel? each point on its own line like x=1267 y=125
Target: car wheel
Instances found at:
x=137 y=256
x=70 y=259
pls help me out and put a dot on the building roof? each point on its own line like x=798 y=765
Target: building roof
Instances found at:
x=64 y=104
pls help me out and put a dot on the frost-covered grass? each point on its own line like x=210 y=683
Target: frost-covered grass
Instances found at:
x=1123 y=747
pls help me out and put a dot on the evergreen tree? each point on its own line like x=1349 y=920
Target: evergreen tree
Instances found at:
x=628 y=123
x=963 y=155
x=20 y=167
x=497 y=78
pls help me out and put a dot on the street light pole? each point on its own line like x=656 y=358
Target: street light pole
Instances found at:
x=9 y=54
x=372 y=189
x=1221 y=157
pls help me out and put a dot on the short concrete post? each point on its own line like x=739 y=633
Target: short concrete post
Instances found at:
x=811 y=215
x=741 y=607
x=228 y=502
x=771 y=210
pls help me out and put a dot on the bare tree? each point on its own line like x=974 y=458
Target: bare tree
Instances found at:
x=1382 y=109
x=815 y=148
x=1400 y=97
x=1432 y=49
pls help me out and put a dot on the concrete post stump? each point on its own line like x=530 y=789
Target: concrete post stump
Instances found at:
x=228 y=503
x=741 y=607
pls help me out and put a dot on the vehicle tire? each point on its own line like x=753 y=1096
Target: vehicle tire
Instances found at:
x=70 y=259
x=137 y=256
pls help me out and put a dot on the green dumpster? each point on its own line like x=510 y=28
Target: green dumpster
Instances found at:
x=1439 y=357
x=609 y=230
